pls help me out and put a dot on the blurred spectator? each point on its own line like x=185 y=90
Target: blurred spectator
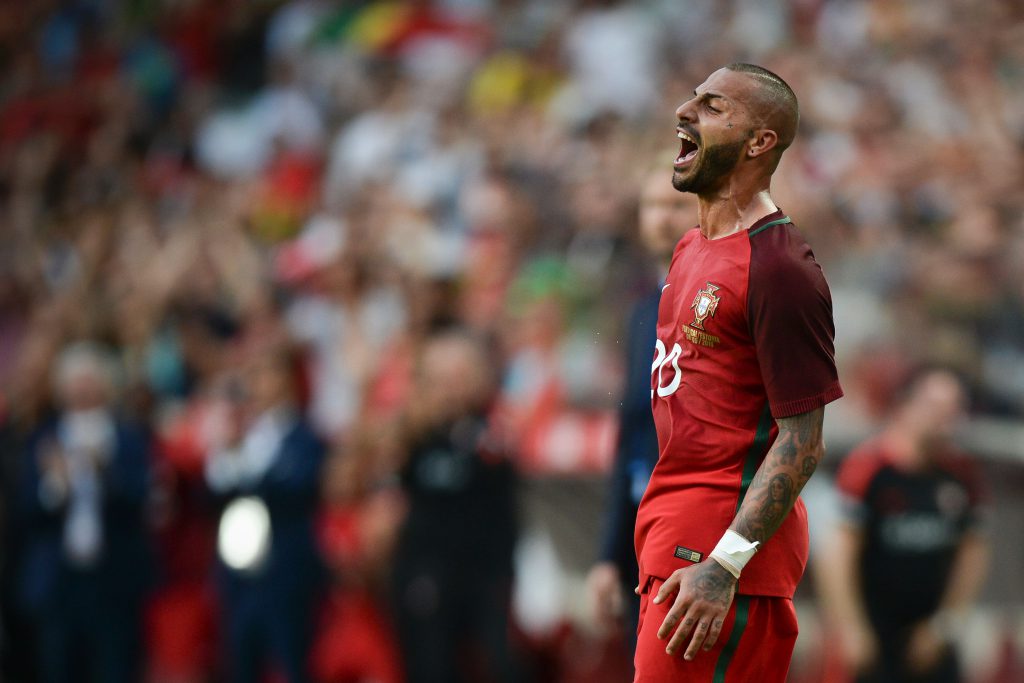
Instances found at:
x=87 y=566
x=910 y=558
x=665 y=215
x=453 y=561
x=612 y=50
x=266 y=472
x=345 y=323
x=358 y=528
x=181 y=179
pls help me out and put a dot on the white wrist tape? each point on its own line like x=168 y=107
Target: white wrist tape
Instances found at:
x=733 y=552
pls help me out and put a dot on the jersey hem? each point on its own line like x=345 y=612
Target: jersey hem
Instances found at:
x=760 y=589
x=804 y=405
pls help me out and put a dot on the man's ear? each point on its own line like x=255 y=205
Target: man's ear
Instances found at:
x=763 y=140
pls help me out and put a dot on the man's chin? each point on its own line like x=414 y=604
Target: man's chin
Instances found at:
x=683 y=182
x=694 y=182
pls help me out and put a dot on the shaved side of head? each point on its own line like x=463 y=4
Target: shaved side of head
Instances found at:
x=775 y=103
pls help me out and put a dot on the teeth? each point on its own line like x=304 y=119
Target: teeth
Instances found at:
x=683 y=136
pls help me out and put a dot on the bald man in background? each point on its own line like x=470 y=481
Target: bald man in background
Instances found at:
x=453 y=563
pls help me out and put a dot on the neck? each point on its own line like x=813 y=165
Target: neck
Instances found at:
x=731 y=208
x=908 y=448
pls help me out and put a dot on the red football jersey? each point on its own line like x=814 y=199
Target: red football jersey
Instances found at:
x=745 y=335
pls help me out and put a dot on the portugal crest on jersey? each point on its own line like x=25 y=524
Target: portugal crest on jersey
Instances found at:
x=704 y=305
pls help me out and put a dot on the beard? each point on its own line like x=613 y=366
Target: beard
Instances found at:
x=711 y=167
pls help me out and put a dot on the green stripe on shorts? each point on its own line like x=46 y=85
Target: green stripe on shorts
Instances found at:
x=742 y=612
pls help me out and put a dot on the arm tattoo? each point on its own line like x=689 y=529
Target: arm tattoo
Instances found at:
x=790 y=462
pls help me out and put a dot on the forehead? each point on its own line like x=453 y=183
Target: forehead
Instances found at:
x=450 y=352
x=941 y=388
x=265 y=365
x=731 y=85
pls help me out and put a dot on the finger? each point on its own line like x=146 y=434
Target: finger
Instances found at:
x=600 y=608
x=713 y=632
x=615 y=603
x=699 y=634
x=667 y=589
x=678 y=640
x=675 y=614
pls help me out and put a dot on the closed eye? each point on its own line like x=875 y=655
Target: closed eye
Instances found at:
x=706 y=99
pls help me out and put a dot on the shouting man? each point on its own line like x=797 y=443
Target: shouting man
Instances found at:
x=744 y=365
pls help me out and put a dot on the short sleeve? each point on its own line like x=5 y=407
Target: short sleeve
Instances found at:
x=977 y=516
x=790 y=316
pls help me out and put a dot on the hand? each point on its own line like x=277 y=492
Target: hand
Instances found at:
x=705 y=592
x=221 y=427
x=859 y=647
x=605 y=591
x=54 y=478
x=54 y=467
x=925 y=648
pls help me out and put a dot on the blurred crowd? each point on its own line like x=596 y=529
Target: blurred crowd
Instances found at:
x=237 y=232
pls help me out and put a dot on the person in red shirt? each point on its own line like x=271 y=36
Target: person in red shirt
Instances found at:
x=744 y=365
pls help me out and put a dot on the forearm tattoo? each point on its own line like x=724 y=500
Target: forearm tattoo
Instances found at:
x=790 y=462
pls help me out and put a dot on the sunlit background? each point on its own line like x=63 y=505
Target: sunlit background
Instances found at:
x=198 y=198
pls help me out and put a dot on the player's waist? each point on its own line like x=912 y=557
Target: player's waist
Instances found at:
x=668 y=539
x=693 y=517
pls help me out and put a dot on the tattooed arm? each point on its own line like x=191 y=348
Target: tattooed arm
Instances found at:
x=705 y=590
x=789 y=464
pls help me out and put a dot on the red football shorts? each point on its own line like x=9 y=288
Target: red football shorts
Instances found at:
x=755 y=645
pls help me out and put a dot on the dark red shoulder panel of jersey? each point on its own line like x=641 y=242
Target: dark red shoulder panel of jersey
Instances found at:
x=790 y=312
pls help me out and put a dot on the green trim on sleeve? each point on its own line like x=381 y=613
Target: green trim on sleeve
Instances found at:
x=777 y=221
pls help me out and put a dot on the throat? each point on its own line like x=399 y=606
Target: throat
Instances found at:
x=721 y=215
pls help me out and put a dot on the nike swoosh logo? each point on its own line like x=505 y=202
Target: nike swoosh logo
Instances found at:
x=666 y=286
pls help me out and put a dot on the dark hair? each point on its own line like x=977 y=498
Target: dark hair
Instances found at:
x=778 y=93
x=774 y=82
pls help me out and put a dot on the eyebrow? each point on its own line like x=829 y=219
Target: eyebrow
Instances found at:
x=709 y=96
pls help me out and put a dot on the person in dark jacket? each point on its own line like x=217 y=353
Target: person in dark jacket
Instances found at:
x=453 y=561
x=664 y=216
x=266 y=478
x=87 y=564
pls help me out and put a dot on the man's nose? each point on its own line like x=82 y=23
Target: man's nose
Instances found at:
x=685 y=111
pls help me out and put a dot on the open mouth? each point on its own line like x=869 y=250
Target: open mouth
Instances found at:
x=687 y=150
